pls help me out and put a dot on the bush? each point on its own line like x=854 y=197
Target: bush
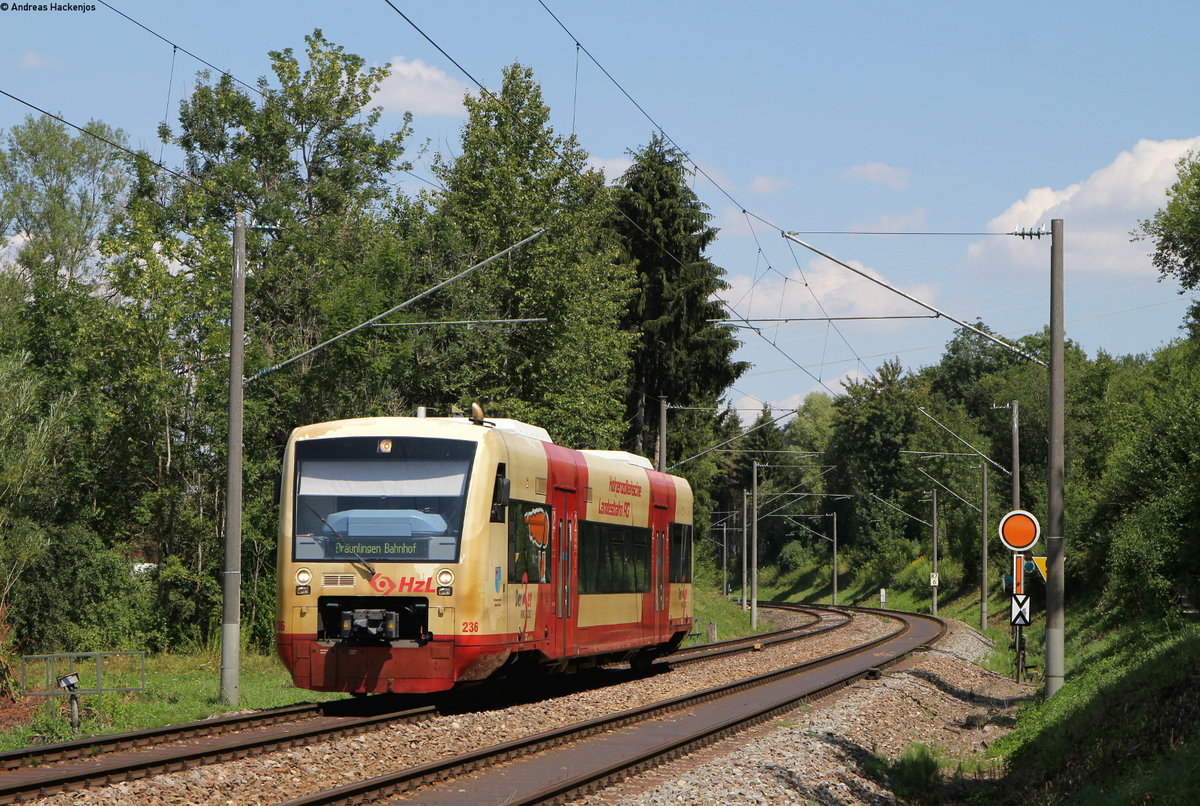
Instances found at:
x=888 y=557
x=915 y=774
x=796 y=555
x=1142 y=548
x=80 y=596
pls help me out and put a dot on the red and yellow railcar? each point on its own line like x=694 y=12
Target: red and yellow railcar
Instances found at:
x=419 y=553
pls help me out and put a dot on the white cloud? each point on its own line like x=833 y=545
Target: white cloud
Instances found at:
x=32 y=60
x=767 y=185
x=1098 y=214
x=912 y=221
x=611 y=167
x=840 y=291
x=10 y=247
x=880 y=174
x=420 y=88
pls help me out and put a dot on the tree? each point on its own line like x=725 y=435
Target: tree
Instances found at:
x=682 y=354
x=303 y=154
x=514 y=175
x=876 y=417
x=29 y=440
x=57 y=193
x=969 y=357
x=1175 y=228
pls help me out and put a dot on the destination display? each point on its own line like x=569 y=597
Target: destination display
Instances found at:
x=387 y=549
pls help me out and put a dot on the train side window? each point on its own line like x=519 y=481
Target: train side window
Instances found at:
x=681 y=552
x=529 y=542
x=613 y=558
x=500 y=494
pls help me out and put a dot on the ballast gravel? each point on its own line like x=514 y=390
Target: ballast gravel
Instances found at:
x=813 y=755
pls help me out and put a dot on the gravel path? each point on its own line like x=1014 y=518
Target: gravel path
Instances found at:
x=816 y=755
x=803 y=759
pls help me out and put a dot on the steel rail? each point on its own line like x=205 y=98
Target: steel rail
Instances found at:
x=19 y=785
x=94 y=745
x=49 y=769
x=391 y=784
x=720 y=648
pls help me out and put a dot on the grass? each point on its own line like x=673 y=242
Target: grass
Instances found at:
x=1123 y=729
x=186 y=687
x=727 y=614
x=178 y=688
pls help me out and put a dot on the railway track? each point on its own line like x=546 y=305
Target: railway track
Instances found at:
x=32 y=772
x=558 y=765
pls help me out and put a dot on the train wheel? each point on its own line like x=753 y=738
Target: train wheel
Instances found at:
x=643 y=660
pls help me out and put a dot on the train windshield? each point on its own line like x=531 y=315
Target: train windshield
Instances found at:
x=389 y=499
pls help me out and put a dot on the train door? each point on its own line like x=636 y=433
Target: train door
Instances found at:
x=658 y=525
x=566 y=552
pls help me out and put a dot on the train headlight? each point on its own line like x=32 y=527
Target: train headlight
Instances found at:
x=445 y=577
x=303 y=576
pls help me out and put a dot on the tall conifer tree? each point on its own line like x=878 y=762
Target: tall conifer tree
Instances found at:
x=664 y=230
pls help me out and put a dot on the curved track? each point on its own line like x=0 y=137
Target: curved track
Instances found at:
x=540 y=769
x=106 y=759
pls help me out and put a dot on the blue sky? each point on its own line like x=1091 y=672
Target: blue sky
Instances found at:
x=918 y=117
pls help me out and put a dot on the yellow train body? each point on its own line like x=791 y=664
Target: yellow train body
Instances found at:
x=419 y=553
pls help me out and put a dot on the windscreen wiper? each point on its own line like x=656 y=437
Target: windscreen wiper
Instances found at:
x=336 y=533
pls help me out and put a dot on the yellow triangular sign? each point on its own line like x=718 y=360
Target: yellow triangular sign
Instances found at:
x=1040 y=562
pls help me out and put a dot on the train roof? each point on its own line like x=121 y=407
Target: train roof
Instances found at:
x=622 y=456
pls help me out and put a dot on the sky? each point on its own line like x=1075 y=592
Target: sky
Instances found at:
x=947 y=121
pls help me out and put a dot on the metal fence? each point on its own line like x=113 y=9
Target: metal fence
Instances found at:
x=91 y=670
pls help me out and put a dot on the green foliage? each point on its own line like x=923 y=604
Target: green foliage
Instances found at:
x=885 y=553
x=663 y=230
x=1127 y=704
x=874 y=422
x=57 y=192
x=79 y=596
x=915 y=775
x=1175 y=228
x=1144 y=547
x=515 y=175
x=796 y=555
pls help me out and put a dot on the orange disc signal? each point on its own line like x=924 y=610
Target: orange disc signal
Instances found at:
x=1019 y=530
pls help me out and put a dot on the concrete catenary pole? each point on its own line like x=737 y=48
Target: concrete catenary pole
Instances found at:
x=1055 y=470
x=724 y=559
x=231 y=586
x=662 y=434
x=1016 y=455
x=745 y=546
x=835 y=559
x=983 y=554
x=754 y=550
x=935 y=547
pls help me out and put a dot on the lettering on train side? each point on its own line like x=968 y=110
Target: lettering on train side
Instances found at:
x=619 y=508
x=524 y=601
x=625 y=488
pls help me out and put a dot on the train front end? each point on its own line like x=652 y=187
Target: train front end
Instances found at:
x=375 y=515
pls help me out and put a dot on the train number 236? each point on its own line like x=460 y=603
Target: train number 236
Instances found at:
x=470 y=626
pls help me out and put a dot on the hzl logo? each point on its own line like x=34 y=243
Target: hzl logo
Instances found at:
x=386 y=585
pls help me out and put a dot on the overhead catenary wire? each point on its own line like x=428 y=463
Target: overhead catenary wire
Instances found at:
x=658 y=127
x=913 y=299
x=390 y=311
x=521 y=122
